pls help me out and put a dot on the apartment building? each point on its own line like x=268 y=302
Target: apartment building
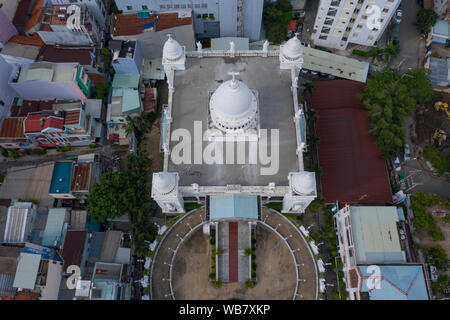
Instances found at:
x=340 y=22
x=212 y=18
x=96 y=7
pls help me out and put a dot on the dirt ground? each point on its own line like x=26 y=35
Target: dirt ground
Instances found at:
x=275 y=271
x=428 y=120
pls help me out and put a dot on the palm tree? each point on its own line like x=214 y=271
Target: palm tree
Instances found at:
x=375 y=54
x=391 y=50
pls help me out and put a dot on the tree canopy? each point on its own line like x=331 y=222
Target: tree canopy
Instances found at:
x=121 y=192
x=425 y=20
x=276 y=16
x=389 y=98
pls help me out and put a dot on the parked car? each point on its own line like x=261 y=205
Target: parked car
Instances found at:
x=407 y=155
x=398 y=16
x=330 y=76
x=305 y=44
x=300 y=28
x=397 y=164
x=314 y=73
x=305 y=71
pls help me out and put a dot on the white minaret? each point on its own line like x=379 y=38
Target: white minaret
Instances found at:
x=174 y=58
x=291 y=54
x=302 y=191
x=165 y=192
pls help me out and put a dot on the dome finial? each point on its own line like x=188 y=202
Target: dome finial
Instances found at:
x=233 y=83
x=170 y=36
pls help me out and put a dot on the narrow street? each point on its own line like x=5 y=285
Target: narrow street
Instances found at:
x=411 y=45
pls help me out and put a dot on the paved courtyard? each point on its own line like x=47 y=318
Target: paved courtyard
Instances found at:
x=276 y=275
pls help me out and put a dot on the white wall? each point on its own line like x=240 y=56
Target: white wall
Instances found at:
x=7 y=94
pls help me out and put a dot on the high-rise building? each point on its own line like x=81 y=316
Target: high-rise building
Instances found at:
x=212 y=18
x=340 y=22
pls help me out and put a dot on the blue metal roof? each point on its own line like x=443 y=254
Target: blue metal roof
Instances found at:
x=233 y=206
x=53 y=231
x=399 y=282
x=61 y=177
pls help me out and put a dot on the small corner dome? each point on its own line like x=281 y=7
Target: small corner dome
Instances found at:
x=164 y=182
x=232 y=100
x=303 y=182
x=172 y=49
x=292 y=49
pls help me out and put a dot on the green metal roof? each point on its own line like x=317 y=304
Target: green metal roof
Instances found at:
x=54 y=227
x=375 y=235
x=130 y=101
x=125 y=80
x=27 y=270
x=441 y=28
x=233 y=206
x=336 y=65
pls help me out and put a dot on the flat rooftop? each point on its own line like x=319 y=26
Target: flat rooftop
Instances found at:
x=276 y=111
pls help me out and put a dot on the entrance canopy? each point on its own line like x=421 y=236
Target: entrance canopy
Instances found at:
x=233 y=206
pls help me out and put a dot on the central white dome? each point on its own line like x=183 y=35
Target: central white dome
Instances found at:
x=292 y=50
x=172 y=49
x=233 y=106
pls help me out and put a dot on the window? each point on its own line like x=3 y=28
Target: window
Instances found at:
x=163 y=6
x=144 y=8
x=129 y=8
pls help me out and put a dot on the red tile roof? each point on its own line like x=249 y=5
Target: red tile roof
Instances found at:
x=54 y=54
x=33 y=123
x=26 y=296
x=81 y=175
x=72 y=117
x=171 y=20
x=353 y=170
x=73 y=247
x=12 y=128
x=36 y=15
x=34 y=40
x=149 y=100
x=291 y=25
x=53 y=122
x=132 y=24
x=20 y=16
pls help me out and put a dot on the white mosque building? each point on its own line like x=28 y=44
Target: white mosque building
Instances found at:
x=234 y=113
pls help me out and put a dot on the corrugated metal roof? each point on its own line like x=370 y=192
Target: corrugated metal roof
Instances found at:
x=131 y=101
x=375 y=235
x=53 y=229
x=441 y=28
x=125 y=80
x=336 y=65
x=399 y=282
x=353 y=170
x=6 y=284
x=123 y=255
x=81 y=177
x=16 y=223
x=27 y=270
x=233 y=206
x=54 y=277
x=73 y=247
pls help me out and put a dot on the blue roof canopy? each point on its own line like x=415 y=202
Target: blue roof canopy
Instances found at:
x=233 y=206
x=399 y=282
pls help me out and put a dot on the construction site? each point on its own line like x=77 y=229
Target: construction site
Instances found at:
x=432 y=127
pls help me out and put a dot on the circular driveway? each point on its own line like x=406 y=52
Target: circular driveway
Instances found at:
x=276 y=248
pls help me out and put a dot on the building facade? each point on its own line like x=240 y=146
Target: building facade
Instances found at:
x=127 y=56
x=212 y=18
x=340 y=22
